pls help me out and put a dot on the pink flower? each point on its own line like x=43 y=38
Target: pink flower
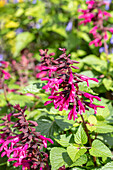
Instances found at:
x=93 y=30
x=93 y=106
x=6 y=74
x=111 y=30
x=52 y=83
x=105 y=36
x=91 y=97
x=85 y=78
x=72 y=113
x=41 y=74
x=100 y=14
x=97 y=42
x=5 y=63
x=44 y=140
x=25 y=164
x=70 y=78
x=29 y=94
x=81 y=107
x=107 y=13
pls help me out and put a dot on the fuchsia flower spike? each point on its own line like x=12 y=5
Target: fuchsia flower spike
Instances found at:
x=23 y=148
x=95 y=14
x=63 y=85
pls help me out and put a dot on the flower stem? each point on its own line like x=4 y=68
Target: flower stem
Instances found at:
x=89 y=138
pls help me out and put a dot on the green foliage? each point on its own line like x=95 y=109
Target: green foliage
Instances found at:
x=57 y=155
x=99 y=149
x=22 y=40
x=80 y=137
x=75 y=153
x=44 y=27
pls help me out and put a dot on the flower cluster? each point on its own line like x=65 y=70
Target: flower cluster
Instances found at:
x=63 y=84
x=24 y=68
x=97 y=16
x=21 y=143
x=3 y=73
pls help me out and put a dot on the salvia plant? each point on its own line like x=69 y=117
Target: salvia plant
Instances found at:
x=21 y=143
x=67 y=127
x=98 y=16
x=63 y=84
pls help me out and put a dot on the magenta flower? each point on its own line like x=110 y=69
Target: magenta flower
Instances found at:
x=6 y=74
x=44 y=140
x=62 y=84
x=93 y=106
x=95 y=14
x=87 y=95
x=25 y=148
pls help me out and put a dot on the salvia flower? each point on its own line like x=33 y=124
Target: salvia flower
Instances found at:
x=4 y=74
x=63 y=84
x=95 y=14
x=20 y=142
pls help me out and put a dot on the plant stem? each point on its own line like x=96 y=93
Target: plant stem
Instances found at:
x=106 y=49
x=86 y=130
x=5 y=95
x=89 y=138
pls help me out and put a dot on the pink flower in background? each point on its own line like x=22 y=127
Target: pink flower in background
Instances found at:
x=98 y=16
x=5 y=74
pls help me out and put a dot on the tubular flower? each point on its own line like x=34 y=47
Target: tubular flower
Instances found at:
x=5 y=74
x=63 y=84
x=26 y=147
x=95 y=14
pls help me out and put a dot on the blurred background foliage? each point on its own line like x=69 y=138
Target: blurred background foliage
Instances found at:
x=26 y=27
x=41 y=24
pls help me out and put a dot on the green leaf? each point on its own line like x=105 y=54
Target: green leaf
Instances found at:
x=19 y=12
x=72 y=151
x=108 y=139
x=22 y=100
x=80 y=137
x=99 y=149
x=82 y=160
x=84 y=36
x=91 y=59
x=64 y=141
x=22 y=40
x=108 y=166
x=32 y=88
x=92 y=119
x=75 y=153
x=102 y=127
x=59 y=30
x=56 y=158
x=107 y=83
x=63 y=123
x=81 y=53
x=96 y=63
x=71 y=41
x=83 y=87
x=103 y=112
x=46 y=126
x=32 y=11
